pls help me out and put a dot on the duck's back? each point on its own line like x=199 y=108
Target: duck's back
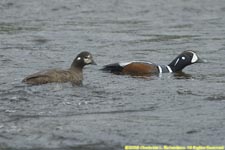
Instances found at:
x=54 y=75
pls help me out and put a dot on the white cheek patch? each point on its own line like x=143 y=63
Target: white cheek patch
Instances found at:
x=78 y=58
x=183 y=58
x=87 y=60
x=194 y=58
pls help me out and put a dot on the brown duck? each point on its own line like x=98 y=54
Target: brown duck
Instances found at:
x=74 y=74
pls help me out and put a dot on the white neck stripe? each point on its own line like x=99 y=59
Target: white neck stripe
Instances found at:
x=170 y=70
x=176 y=62
x=160 y=69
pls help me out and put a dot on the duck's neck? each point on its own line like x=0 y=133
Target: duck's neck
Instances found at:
x=164 y=69
x=76 y=66
x=176 y=66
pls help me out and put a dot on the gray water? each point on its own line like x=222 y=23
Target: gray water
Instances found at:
x=111 y=111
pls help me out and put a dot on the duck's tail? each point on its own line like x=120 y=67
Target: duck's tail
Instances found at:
x=113 y=68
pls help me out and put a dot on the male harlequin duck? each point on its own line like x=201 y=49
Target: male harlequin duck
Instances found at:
x=74 y=74
x=147 y=68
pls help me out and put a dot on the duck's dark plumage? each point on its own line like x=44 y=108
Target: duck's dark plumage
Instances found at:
x=74 y=74
x=115 y=68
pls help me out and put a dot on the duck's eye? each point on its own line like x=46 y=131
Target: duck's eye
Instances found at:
x=87 y=57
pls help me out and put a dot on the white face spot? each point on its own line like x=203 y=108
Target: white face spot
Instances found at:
x=194 y=58
x=183 y=58
x=78 y=58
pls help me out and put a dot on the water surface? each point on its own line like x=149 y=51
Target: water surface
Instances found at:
x=111 y=111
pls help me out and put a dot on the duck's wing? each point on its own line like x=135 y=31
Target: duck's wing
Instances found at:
x=48 y=76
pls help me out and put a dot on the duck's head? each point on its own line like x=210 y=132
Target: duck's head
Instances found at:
x=184 y=59
x=82 y=59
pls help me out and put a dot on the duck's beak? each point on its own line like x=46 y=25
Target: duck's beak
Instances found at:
x=201 y=60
